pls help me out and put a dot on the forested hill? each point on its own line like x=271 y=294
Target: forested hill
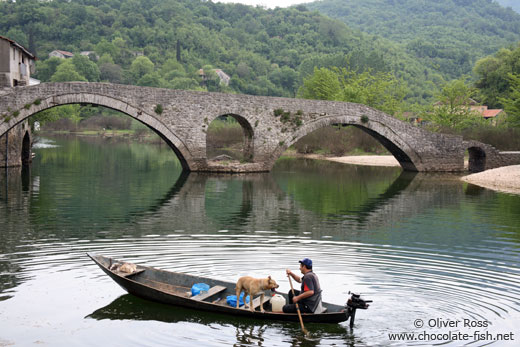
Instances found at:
x=446 y=35
x=514 y=4
x=164 y=43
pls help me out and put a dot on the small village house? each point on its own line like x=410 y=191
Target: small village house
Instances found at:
x=223 y=77
x=16 y=64
x=495 y=116
x=61 y=54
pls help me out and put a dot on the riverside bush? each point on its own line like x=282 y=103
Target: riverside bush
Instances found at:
x=108 y=123
x=502 y=138
x=225 y=133
x=338 y=141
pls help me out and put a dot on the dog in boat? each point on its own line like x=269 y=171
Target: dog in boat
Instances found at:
x=252 y=286
x=125 y=267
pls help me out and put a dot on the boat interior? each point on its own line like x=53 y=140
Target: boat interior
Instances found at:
x=180 y=284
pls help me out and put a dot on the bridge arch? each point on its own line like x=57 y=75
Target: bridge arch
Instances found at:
x=247 y=131
x=383 y=132
x=477 y=159
x=161 y=129
x=26 y=149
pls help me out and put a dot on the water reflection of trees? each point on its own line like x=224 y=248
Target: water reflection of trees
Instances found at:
x=69 y=193
x=310 y=198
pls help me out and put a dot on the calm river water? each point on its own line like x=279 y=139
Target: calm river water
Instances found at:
x=439 y=258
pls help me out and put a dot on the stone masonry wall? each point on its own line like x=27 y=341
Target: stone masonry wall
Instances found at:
x=493 y=157
x=14 y=145
x=182 y=119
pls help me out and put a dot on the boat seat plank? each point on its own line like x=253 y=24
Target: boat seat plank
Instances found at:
x=212 y=291
x=257 y=303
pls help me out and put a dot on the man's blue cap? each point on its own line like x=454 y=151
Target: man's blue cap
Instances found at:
x=307 y=262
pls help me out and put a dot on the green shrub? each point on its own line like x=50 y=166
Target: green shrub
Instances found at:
x=278 y=112
x=286 y=116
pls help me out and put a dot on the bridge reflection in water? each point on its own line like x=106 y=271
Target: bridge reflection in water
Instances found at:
x=277 y=201
x=282 y=200
x=401 y=239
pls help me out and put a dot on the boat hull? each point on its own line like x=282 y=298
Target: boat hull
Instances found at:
x=171 y=288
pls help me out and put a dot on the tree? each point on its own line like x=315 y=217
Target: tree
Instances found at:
x=141 y=66
x=185 y=83
x=512 y=103
x=380 y=90
x=66 y=72
x=172 y=69
x=322 y=85
x=71 y=112
x=492 y=75
x=45 y=69
x=284 y=77
x=111 y=72
x=151 y=79
x=19 y=36
x=85 y=67
x=105 y=47
x=452 y=110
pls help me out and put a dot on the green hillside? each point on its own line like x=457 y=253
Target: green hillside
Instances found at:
x=448 y=36
x=165 y=43
x=514 y=4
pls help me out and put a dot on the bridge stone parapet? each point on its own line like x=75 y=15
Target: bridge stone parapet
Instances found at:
x=270 y=124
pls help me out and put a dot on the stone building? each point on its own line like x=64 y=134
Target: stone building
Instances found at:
x=61 y=54
x=16 y=65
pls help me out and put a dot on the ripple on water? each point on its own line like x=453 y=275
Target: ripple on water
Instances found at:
x=421 y=249
x=405 y=283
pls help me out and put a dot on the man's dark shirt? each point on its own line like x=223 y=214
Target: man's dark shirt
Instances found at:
x=310 y=282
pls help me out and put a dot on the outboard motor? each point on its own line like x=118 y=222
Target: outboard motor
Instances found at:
x=353 y=303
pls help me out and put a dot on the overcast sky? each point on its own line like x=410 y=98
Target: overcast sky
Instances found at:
x=267 y=3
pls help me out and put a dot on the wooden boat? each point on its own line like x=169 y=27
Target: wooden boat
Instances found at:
x=174 y=288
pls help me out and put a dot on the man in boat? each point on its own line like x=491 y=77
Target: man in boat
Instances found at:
x=309 y=297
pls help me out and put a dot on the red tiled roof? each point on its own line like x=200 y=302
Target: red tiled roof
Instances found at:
x=491 y=113
x=65 y=53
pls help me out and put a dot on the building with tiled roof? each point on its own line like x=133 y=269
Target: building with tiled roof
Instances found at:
x=61 y=54
x=16 y=64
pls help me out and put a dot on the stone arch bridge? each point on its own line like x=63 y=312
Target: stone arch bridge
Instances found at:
x=270 y=124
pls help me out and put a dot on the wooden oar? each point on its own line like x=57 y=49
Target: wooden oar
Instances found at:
x=297 y=308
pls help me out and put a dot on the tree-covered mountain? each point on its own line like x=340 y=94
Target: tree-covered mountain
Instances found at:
x=448 y=36
x=514 y=4
x=165 y=43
